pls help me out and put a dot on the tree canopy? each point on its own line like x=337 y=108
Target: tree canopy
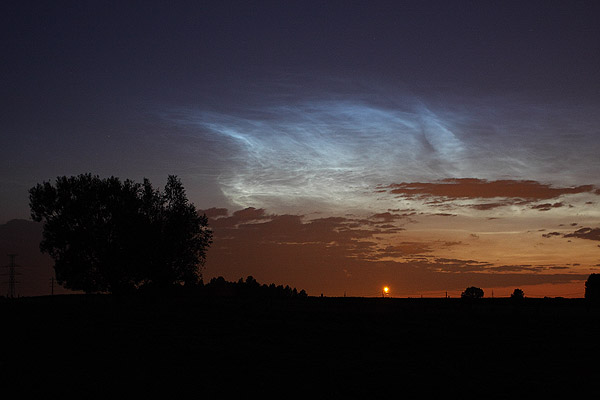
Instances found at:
x=108 y=235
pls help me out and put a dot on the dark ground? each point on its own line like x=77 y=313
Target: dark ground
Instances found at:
x=313 y=347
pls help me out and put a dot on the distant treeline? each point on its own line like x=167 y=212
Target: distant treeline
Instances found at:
x=248 y=288
x=219 y=287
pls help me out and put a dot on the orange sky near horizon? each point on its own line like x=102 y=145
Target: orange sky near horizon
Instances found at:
x=544 y=242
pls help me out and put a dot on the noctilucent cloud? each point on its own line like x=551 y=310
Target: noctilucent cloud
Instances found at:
x=334 y=149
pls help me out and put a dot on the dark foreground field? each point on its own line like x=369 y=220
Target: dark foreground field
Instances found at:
x=313 y=347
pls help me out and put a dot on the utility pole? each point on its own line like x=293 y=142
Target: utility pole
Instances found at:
x=52 y=286
x=12 y=282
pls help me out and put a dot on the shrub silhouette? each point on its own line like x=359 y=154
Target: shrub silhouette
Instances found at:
x=472 y=293
x=107 y=235
x=592 y=288
x=517 y=294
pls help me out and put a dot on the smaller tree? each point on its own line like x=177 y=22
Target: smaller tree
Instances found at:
x=472 y=293
x=592 y=288
x=517 y=294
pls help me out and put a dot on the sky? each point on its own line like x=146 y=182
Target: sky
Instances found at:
x=336 y=146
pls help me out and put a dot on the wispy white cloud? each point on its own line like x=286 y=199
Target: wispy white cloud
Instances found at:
x=324 y=150
x=333 y=149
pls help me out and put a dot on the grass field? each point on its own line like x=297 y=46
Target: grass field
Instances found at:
x=313 y=347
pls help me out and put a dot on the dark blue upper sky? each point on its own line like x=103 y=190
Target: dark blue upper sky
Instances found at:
x=151 y=48
x=249 y=102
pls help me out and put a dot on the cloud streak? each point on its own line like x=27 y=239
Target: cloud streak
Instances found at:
x=585 y=233
x=484 y=195
x=472 y=188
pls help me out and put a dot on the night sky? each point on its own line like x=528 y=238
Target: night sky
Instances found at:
x=336 y=146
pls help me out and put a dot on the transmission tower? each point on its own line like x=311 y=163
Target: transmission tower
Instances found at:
x=12 y=282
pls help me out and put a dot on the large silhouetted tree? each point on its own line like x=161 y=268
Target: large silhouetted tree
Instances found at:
x=592 y=288
x=108 y=235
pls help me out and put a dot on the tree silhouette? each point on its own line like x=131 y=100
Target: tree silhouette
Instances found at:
x=107 y=235
x=250 y=288
x=472 y=293
x=517 y=294
x=592 y=288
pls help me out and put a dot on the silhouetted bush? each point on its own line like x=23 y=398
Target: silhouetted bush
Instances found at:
x=517 y=294
x=472 y=293
x=592 y=288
